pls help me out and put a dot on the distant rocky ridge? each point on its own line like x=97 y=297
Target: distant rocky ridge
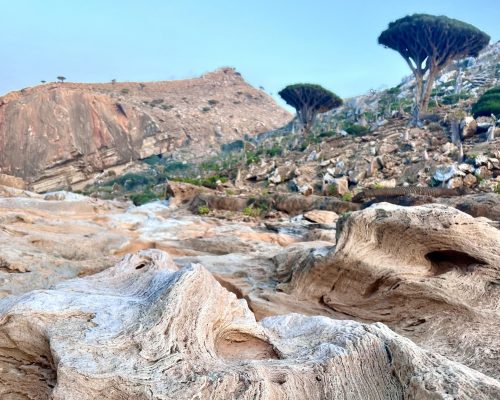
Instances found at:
x=60 y=135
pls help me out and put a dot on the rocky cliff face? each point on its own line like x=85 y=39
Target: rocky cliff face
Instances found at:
x=61 y=135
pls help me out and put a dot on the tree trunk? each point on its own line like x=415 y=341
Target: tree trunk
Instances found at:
x=455 y=131
x=306 y=117
x=427 y=91
x=419 y=81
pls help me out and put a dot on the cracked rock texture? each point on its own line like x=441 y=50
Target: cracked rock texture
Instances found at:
x=145 y=329
x=200 y=307
x=430 y=272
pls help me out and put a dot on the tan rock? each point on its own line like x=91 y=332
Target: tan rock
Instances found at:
x=469 y=127
x=321 y=216
x=12 y=181
x=469 y=180
x=454 y=183
x=181 y=192
x=417 y=269
x=340 y=186
x=130 y=332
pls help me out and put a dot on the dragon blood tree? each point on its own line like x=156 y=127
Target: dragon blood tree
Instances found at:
x=429 y=44
x=309 y=100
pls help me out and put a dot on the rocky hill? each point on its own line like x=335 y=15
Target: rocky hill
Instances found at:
x=61 y=134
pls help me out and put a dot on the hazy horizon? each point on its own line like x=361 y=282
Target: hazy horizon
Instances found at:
x=272 y=45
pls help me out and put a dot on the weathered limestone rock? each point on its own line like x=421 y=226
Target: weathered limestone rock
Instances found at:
x=144 y=329
x=182 y=193
x=430 y=272
x=12 y=181
x=321 y=216
x=469 y=127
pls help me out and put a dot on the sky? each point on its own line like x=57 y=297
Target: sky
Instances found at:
x=272 y=43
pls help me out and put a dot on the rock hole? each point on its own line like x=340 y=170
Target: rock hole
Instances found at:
x=243 y=346
x=140 y=266
x=444 y=261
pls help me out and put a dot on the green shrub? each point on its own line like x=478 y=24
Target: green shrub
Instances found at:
x=274 y=151
x=213 y=102
x=252 y=157
x=377 y=185
x=210 y=165
x=145 y=197
x=131 y=180
x=205 y=109
x=152 y=160
x=496 y=188
x=488 y=103
x=209 y=182
x=331 y=189
x=203 y=210
x=347 y=196
x=252 y=211
x=125 y=91
x=173 y=166
x=454 y=98
x=327 y=134
x=357 y=130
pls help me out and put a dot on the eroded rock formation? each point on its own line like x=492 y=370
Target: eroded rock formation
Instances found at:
x=144 y=329
x=430 y=272
x=220 y=319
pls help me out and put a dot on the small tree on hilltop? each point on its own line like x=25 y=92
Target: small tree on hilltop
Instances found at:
x=309 y=100
x=429 y=44
x=61 y=78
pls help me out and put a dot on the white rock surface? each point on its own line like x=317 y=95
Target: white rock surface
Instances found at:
x=146 y=330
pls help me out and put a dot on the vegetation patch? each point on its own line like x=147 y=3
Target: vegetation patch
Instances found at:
x=203 y=210
x=144 y=197
x=357 y=130
x=488 y=103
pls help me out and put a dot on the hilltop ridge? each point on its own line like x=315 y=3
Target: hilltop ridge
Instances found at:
x=60 y=135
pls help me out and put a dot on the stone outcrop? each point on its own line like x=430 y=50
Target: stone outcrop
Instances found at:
x=130 y=332
x=430 y=272
x=74 y=326
x=62 y=135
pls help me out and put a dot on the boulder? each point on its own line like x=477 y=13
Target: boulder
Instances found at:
x=130 y=333
x=12 y=181
x=260 y=172
x=469 y=180
x=182 y=193
x=283 y=173
x=417 y=269
x=468 y=127
x=321 y=216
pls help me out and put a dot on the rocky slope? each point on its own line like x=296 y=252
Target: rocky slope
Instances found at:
x=281 y=310
x=61 y=135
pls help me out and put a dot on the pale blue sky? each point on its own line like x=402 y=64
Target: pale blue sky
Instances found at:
x=272 y=43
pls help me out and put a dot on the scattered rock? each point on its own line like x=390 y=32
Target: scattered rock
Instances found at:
x=321 y=216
